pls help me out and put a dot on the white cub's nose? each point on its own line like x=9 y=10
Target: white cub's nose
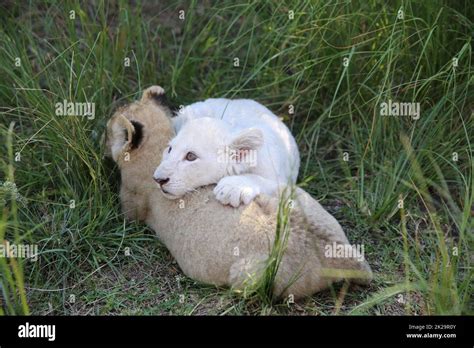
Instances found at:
x=160 y=177
x=161 y=181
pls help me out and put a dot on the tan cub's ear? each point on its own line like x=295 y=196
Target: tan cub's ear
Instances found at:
x=155 y=93
x=120 y=133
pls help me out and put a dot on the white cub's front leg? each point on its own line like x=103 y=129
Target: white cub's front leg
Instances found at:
x=237 y=189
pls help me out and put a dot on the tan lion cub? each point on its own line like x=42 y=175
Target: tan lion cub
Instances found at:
x=218 y=244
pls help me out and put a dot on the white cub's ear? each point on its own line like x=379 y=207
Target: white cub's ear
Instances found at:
x=245 y=142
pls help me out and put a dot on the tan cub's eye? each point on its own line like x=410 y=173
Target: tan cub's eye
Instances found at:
x=190 y=157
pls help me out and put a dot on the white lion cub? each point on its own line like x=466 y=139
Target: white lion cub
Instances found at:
x=238 y=144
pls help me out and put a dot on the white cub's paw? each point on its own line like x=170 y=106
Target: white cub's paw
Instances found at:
x=236 y=189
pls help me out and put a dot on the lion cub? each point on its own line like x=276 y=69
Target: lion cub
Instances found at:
x=239 y=145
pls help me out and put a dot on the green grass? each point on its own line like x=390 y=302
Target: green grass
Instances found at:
x=356 y=162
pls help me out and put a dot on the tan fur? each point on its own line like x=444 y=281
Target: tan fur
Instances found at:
x=218 y=244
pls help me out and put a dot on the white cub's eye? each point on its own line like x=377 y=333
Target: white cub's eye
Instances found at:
x=169 y=150
x=190 y=157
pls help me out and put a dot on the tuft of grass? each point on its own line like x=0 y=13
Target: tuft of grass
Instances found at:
x=401 y=186
x=260 y=287
x=12 y=286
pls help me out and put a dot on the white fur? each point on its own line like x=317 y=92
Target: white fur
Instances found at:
x=240 y=145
